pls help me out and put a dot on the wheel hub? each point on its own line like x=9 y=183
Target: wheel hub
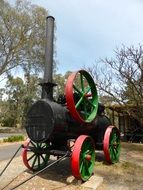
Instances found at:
x=88 y=157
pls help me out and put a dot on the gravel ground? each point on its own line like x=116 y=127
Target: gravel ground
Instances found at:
x=16 y=168
x=57 y=177
x=125 y=175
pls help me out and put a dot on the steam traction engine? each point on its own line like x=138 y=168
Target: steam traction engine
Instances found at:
x=74 y=126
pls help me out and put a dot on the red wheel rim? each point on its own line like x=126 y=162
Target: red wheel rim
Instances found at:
x=76 y=157
x=41 y=159
x=109 y=144
x=84 y=96
x=24 y=154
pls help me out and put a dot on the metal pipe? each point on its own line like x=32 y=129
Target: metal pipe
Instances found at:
x=11 y=159
x=47 y=86
x=35 y=174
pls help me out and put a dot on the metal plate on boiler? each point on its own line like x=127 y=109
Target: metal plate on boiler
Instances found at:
x=39 y=124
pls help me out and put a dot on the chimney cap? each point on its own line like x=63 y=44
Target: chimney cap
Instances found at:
x=51 y=17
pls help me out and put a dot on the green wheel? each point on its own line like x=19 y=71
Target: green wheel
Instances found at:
x=83 y=158
x=111 y=144
x=81 y=96
x=33 y=155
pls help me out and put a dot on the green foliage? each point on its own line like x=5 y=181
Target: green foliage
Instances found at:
x=7 y=120
x=22 y=36
x=22 y=47
x=60 y=80
x=14 y=138
x=20 y=97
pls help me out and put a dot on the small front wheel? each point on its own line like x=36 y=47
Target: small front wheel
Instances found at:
x=33 y=155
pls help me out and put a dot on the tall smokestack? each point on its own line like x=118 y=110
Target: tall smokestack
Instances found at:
x=47 y=84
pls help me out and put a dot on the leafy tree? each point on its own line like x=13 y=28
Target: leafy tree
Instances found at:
x=32 y=91
x=15 y=91
x=60 y=80
x=22 y=36
x=20 y=98
x=2 y=91
x=22 y=46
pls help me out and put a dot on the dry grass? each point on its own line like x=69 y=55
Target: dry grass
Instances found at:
x=125 y=175
x=133 y=147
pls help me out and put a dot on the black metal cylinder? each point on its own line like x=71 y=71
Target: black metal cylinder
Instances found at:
x=50 y=121
x=48 y=72
x=43 y=118
x=47 y=119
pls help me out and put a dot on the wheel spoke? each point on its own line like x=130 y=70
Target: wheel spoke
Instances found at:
x=116 y=138
x=93 y=105
x=115 y=146
x=111 y=144
x=87 y=90
x=112 y=138
x=84 y=170
x=34 y=161
x=87 y=149
x=81 y=166
x=30 y=148
x=90 y=152
x=43 y=146
x=33 y=143
x=83 y=158
x=87 y=167
x=43 y=158
x=79 y=102
x=39 y=145
x=77 y=90
x=82 y=83
x=39 y=162
x=112 y=154
x=31 y=157
x=84 y=148
x=118 y=146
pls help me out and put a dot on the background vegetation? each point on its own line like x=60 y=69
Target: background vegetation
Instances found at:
x=120 y=80
x=22 y=48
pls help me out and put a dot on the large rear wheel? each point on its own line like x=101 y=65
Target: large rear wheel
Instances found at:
x=83 y=158
x=111 y=144
x=81 y=96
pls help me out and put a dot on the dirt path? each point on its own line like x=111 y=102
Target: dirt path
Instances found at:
x=125 y=175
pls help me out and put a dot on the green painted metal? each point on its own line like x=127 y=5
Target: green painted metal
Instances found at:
x=114 y=146
x=87 y=106
x=38 y=160
x=86 y=164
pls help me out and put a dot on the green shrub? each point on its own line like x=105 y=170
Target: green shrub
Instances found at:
x=14 y=138
x=7 y=121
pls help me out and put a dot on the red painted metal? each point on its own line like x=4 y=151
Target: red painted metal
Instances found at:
x=106 y=143
x=75 y=157
x=24 y=154
x=88 y=95
x=70 y=97
x=88 y=157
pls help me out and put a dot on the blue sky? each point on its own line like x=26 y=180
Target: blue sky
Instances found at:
x=90 y=29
